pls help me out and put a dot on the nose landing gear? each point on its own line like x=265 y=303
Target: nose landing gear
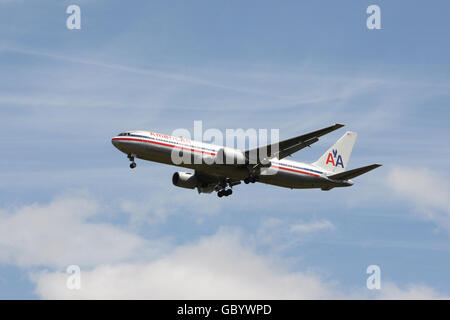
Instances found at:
x=131 y=158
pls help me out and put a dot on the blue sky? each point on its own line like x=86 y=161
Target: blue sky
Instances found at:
x=68 y=197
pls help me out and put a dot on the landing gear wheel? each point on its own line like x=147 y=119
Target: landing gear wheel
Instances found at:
x=130 y=157
x=249 y=180
x=224 y=193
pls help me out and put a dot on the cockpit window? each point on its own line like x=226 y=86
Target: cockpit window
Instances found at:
x=124 y=134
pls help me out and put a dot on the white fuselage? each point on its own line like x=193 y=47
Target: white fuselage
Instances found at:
x=158 y=147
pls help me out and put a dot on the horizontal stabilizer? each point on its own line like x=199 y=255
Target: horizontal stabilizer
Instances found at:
x=346 y=175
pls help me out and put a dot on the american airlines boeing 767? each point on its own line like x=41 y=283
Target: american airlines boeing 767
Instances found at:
x=266 y=164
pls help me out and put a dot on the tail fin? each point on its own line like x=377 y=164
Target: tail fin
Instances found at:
x=336 y=158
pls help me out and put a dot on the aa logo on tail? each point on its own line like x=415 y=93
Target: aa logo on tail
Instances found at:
x=335 y=159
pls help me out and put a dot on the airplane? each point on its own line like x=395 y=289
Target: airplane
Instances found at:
x=266 y=164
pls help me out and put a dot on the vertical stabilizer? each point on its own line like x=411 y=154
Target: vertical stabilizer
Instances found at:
x=336 y=158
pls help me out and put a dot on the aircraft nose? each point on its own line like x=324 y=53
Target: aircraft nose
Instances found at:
x=115 y=142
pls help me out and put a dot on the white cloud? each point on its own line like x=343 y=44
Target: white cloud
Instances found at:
x=216 y=267
x=428 y=191
x=61 y=233
x=118 y=264
x=390 y=291
x=220 y=266
x=281 y=235
x=312 y=226
x=157 y=207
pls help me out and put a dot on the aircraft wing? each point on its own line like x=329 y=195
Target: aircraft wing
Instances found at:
x=289 y=146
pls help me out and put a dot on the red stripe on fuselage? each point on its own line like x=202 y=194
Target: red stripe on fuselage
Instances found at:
x=297 y=171
x=164 y=144
x=210 y=153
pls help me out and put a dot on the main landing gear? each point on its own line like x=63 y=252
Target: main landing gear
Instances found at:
x=224 y=192
x=250 y=179
x=131 y=158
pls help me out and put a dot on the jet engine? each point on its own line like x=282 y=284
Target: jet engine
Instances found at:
x=184 y=180
x=230 y=156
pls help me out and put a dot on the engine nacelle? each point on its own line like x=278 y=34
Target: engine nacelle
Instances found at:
x=230 y=156
x=184 y=180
